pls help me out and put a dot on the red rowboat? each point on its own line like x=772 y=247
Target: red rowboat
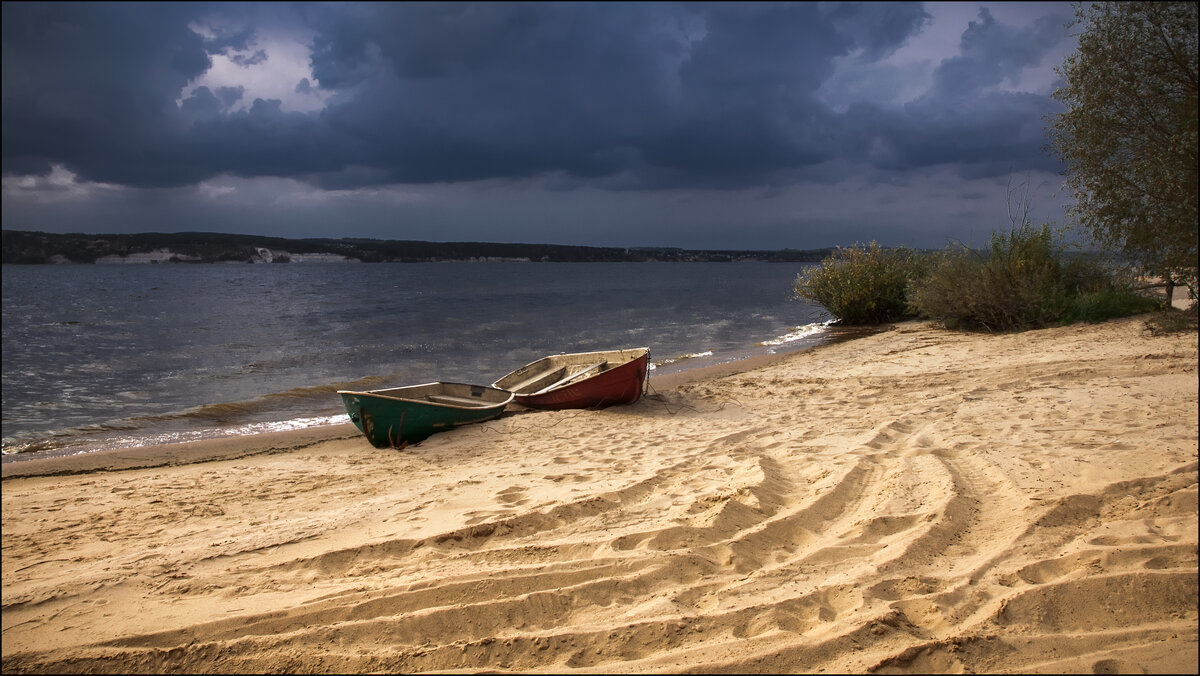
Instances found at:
x=580 y=379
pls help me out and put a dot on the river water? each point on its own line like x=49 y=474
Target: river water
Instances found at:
x=110 y=356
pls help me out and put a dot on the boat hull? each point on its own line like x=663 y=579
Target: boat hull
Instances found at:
x=401 y=416
x=623 y=383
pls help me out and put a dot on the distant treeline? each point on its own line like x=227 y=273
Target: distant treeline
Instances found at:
x=209 y=247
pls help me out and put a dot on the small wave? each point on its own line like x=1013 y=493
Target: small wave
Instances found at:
x=797 y=333
x=221 y=419
x=318 y=390
x=29 y=447
x=163 y=438
x=179 y=437
x=235 y=431
x=228 y=410
x=682 y=357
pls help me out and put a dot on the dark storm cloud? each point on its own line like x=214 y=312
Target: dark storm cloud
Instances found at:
x=963 y=120
x=877 y=28
x=229 y=95
x=232 y=43
x=92 y=86
x=992 y=53
x=710 y=95
x=620 y=96
x=254 y=59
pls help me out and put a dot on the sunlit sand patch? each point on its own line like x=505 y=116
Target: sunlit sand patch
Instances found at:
x=912 y=501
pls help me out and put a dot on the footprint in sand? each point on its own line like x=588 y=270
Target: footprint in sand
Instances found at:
x=487 y=515
x=513 y=495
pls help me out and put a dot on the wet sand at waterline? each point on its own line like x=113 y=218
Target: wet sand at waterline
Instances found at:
x=913 y=501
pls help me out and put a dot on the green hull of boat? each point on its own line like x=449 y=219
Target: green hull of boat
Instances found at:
x=401 y=416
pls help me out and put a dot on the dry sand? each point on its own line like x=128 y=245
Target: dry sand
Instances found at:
x=914 y=501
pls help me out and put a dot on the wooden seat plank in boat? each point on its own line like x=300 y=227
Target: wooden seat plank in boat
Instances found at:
x=538 y=379
x=456 y=401
x=572 y=376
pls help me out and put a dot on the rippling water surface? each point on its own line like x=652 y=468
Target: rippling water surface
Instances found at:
x=104 y=356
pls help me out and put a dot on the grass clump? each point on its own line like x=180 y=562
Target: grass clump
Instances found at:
x=862 y=284
x=1173 y=320
x=1022 y=282
x=1101 y=306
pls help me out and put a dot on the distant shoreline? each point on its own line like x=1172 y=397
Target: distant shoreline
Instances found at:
x=40 y=248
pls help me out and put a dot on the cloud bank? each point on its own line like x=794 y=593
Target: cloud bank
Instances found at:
x=595 y=100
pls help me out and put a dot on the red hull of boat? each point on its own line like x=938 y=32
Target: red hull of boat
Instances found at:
x=621 y=385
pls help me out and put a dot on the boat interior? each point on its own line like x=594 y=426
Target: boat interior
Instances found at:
x=547 y=380
x=558 y=370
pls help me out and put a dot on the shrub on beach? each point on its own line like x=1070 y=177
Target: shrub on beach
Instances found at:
x=1021 y=282
x=1173 y=320
x=862 y=284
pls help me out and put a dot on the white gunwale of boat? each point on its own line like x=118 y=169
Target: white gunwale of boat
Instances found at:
x=428 y=398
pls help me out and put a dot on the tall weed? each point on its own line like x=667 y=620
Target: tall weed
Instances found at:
x=1021 y=282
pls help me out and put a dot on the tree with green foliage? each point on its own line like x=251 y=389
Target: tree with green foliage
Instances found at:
x=1129 y=132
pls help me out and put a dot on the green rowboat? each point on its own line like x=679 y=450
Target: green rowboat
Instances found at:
x=396 y=417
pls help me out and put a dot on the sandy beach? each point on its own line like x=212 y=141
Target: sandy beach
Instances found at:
x=909 y=502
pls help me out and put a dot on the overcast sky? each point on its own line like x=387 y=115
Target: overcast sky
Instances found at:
x=705 y=125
